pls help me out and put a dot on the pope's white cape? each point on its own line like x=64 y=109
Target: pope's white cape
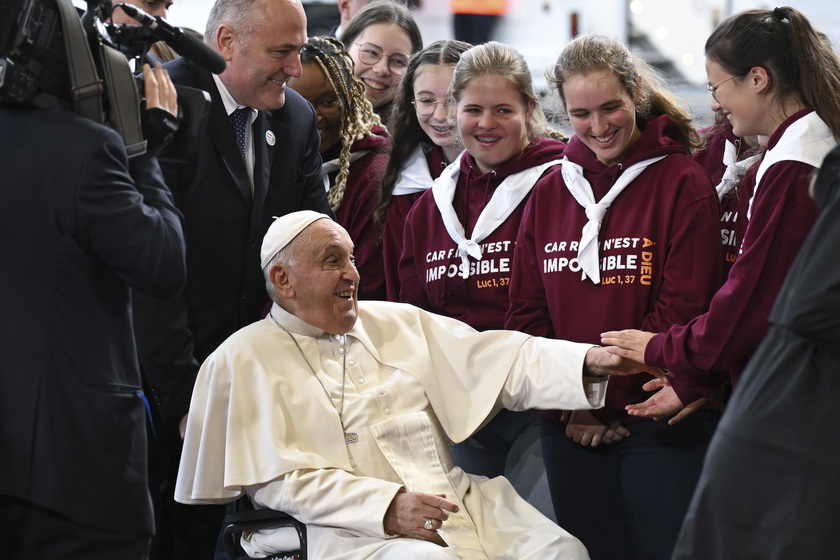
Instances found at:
x=253 y=418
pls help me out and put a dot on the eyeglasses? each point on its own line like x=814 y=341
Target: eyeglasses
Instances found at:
x=328 y=106
x=426 y=106
x=370 y=54
x=713 y=88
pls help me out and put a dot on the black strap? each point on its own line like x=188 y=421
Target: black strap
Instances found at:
x=124 y=99
x=86 y=87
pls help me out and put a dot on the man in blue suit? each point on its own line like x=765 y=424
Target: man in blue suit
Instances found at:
x=228 y=193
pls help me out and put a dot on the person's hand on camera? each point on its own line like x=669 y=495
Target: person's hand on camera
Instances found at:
x=160 y=119
x=159 y=89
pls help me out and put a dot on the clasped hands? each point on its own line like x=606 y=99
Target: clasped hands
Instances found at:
x=631 y=344
x=625 y=355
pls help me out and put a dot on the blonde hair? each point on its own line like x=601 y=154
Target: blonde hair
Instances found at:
x=498 y=59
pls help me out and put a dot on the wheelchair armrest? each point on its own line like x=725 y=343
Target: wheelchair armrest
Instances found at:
x=238 y=521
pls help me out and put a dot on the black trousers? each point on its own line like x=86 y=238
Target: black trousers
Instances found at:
x=183 y=531
x=30 y=532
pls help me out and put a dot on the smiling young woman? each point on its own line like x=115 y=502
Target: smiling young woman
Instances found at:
x=354 y=149
x=459 y=236
x=627 y=233
x=785 y=79
x=784 y=86
x=423 y=145
x=381 y=38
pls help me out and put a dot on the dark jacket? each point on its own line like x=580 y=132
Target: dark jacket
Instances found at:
x=224 y=226
x=78 y=235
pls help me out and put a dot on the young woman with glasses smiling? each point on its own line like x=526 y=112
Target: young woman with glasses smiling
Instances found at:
x=381 y=38
x=459 y=236
x=354 y=148
x=425 y=140
x=773 y=75
x=768 y=488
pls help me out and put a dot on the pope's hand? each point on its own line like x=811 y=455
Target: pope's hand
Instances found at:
x=410 y=513
x=602 y=362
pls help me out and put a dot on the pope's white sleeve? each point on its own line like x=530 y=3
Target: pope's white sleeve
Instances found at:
x=331 y=497
x=548 y=374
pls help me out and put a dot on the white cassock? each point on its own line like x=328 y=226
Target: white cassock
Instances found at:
x=260 y=422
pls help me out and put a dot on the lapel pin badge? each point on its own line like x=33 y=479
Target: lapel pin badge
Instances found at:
x=270 y=139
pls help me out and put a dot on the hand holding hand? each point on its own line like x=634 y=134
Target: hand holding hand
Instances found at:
x=604 y=361
x=630 y=343
x=411 y=512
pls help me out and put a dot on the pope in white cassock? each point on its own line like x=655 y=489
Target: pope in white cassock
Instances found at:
x=341 y=412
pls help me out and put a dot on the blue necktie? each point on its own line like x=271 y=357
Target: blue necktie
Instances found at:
x=240 y=118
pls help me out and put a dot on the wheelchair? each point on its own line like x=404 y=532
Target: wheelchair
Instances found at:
x=245 y=517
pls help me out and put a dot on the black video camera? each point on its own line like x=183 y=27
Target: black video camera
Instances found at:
x=50 y=55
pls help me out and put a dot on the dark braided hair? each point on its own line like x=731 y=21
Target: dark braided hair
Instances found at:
x=357 y=116
x=405 y=129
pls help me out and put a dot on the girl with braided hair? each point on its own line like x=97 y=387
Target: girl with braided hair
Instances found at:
x=354 y=147
x=425 y=140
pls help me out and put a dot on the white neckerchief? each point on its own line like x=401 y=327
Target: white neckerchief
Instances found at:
x=582 y=191
x=505 y=199
x=806 y=140
x=415 y=176
x=329 y=166
x=734 y=169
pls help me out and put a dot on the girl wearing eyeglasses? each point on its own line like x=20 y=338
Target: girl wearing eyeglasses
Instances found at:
x=381 y=38
x=459 y=236
x=425 y=140
x=773 y=75
x=625 y=233
x=354 y=148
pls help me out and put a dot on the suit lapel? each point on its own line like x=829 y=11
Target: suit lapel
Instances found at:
x=221 y=132
x=267 y=135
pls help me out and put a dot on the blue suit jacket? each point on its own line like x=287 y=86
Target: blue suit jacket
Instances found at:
x=224 y=228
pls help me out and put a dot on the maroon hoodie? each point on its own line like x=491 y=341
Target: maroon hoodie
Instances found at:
x=355 y=213
x=430 y=261
x=782 y=214
x=659 y=247
x=392 y=229
x=711 y=158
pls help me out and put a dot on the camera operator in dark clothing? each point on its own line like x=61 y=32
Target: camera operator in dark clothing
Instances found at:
x=83 y=229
